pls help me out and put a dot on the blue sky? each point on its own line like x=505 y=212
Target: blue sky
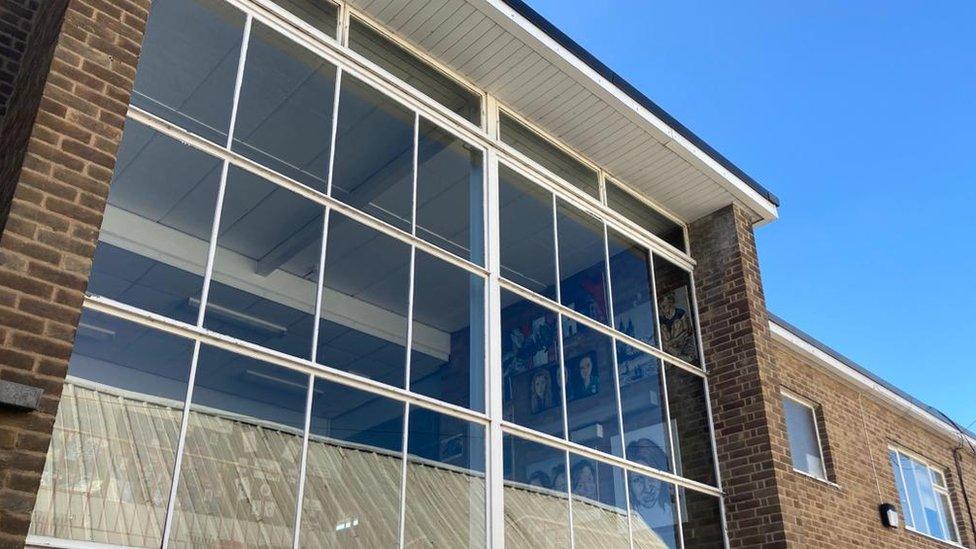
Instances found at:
x=861 y=117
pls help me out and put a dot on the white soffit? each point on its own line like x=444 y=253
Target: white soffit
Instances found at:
x=500 y=51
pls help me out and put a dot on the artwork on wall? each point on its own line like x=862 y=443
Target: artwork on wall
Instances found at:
x=637 y=322
x=583 y=376
x=634 y=365
x=549 y=473
x=544 y=388
x=649 y=498
x=529 y=345
x=677 y=325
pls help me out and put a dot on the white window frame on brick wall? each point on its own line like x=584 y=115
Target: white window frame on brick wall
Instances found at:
x=810 y=405
x=943 y=490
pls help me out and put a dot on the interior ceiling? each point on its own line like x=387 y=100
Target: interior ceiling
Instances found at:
x=478 y=41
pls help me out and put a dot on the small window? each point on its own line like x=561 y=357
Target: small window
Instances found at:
x=548 y=155
x=406 y=66
x=321 y=14
x=924 y=497
x=645 y=216
x=805 y=448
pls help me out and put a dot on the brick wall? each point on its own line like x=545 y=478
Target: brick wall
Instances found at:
x=59 y=144
x=750 y=437
x=860 y=427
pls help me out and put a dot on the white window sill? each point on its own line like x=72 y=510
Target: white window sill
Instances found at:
x=816 y=478
x=933 y=538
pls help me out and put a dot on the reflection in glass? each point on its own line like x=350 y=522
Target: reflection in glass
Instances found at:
x=701 y=520
x=654 y=515
x=528 y=249
x=321 y=14
x=690 y=427
x=676 y=315
x=239 y=478
x=448 y=347
x=354 y=467
x=164 y=195
x=284 y=116
x=532 y=383
x=266 y=266
x=406 y=66
x=641 y=397
x=548 y=155
x=582 y=266
x=363 y=328
x=801 y=429
x=647 y=217
x=536 y=499
x=449 y=193
x=591 y=394
x=630 y=281
x=445 y=490
x=600 y=517
x=373 y=166
x=110 y=462
x=188 y=65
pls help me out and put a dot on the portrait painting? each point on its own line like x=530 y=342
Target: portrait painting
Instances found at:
x=677 y=325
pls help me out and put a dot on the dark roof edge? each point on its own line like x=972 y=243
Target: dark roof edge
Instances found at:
x=870 y=375
x=565 y=41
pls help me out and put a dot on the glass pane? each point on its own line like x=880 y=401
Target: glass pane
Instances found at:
x=913 y=493
x=802 y=431
x=321 y=14
x=266 y=267
x=448 y=348
x=354 y=467
x=528 y=250
x=929 y=504
x=701 y=520
x=641 y=397
x=536 y=508
x=188 y=65
x=373 y=166
x=600 y=517
x=630 y=280
x=445 y=482
x=647 y=217
x=689 y=426
x=591 y=394
x=284 y=115
x=906 y=511
x=239 y=478
x=406 y=66
x=675 y=311
x=653 y=512
x=110 y=462
x=945 y=511
x=582 y=262
x=449 y=193
x=531 y=381
x=363 y=328
x=153 y=245
x=548 y=155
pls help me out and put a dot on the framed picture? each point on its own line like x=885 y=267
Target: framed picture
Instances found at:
x=677 y=325
x=649 y=497
x=528 y=343
x=549 y=473
x=583 y=376
x=634 y=365
x=637 y=322
x=544 y=388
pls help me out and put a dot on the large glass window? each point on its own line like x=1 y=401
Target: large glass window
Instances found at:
x=924 y=497
x=549 y=156
x=411 y=69
x=339 y=323
x=805 y=447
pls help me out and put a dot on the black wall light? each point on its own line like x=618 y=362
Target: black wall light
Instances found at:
x=889 y=515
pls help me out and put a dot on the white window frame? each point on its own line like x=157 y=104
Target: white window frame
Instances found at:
x=938 y=490
x=485 y=137
x=810 y=405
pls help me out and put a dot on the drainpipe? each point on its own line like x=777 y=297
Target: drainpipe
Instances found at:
x=962 y=487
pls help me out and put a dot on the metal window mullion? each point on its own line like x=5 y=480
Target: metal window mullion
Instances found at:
x=562 y=365
x=495 y=504
x=303 y=463
x=616 y=372
x=333 y=132
x=403 y=477
x=205 y=291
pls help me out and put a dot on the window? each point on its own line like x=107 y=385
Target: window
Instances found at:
x=647 y=217
x=924 y=497
x=406 y=66
x=285 y=336
x=805 y=447
x=549 y=156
